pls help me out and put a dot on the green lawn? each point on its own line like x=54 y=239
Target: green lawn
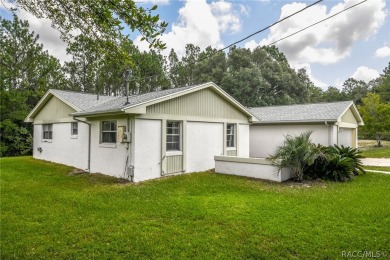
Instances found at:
x=370 y=151
x=47 y=214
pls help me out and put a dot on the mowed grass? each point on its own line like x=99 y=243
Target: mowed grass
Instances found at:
x=47 y=214
x=369 y=150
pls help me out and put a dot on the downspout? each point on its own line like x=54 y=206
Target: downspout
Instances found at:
x=129 y=143
x=89 y=141
x=330 y=135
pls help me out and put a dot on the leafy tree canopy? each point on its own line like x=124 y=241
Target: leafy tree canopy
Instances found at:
x=376 y=116
x=102 y=21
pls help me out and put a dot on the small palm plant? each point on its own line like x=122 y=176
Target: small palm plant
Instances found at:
x=354 y=154
x=296 y=153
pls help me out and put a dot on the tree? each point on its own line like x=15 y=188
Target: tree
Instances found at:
x=83 y=68
x=376 y=116
x=26 y=73
x=334 y=94
x=101 y=21
x=382 y=86
x=355 y=90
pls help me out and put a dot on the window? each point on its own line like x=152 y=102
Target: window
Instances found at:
x=108 y=132
x=173 y=136
x=47 y=130
x=230 y=135
x=74 y=128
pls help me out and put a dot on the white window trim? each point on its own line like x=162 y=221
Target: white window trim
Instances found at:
x=47 y=140
x=108 y=144
x=175 y=152
x=231 y=148
x=72 y=136
x=234 y=147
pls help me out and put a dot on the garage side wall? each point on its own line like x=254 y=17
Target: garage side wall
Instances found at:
x=63 y=147
x=265 y=138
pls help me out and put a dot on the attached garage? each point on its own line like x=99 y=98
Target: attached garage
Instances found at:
x=330 y=123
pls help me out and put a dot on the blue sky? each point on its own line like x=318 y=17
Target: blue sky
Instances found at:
x=355 y=43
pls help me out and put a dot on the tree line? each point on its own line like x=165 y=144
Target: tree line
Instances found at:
x=259 y=77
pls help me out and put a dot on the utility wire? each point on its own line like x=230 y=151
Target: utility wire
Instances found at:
x=259 y=31
x=247 y=37
x=323 y=20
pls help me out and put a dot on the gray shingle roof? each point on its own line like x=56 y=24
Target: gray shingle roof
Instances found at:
x=89 y=104
x=81 y=100
x=301 y=113
x=120 y=102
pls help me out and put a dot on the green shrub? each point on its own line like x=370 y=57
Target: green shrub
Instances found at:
x=354 y=154
x=336 y=163
x=338 y=168
x=307 y=160
x=296 y=153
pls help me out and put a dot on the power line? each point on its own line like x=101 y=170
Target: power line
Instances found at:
x=259 y=31
x=307 y=27
x=247 y=37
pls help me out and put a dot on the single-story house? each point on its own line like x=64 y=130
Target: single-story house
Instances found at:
x=330 y=123
x=143 y=136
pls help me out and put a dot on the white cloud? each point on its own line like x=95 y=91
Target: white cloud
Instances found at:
x=201 y=24
x=307 y=67
x=364 y=73
x=330 y=41
x=383 y=52
x=227 y=16
x=48 y=36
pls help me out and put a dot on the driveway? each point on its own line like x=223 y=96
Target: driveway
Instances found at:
x=384 y=162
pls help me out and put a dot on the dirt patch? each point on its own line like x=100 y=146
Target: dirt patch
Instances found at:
x=77 y=172
x=306 y=183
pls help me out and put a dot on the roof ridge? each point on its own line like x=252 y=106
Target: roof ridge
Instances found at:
x=80 y=92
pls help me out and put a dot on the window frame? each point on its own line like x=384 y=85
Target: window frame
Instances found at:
x=72 y=128
x=111 y=131
x=179 y=135
x=48 y=131
x=231 y=136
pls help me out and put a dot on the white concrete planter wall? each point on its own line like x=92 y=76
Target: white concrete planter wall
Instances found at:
x=251 y=167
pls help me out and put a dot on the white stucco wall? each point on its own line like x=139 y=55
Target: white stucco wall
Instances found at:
x=108 y=159
x=250 y=167
x=203 y=142
x=147 y=146
x=265 y=138
x=243 y=140
x=63 y=148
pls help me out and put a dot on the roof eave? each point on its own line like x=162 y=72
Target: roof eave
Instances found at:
x=296 y=121
x=98 y=113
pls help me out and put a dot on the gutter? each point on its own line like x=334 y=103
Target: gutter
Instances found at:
x=89 y=142
x=294 y=122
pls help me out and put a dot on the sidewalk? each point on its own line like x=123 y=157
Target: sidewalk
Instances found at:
x=384 y=162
